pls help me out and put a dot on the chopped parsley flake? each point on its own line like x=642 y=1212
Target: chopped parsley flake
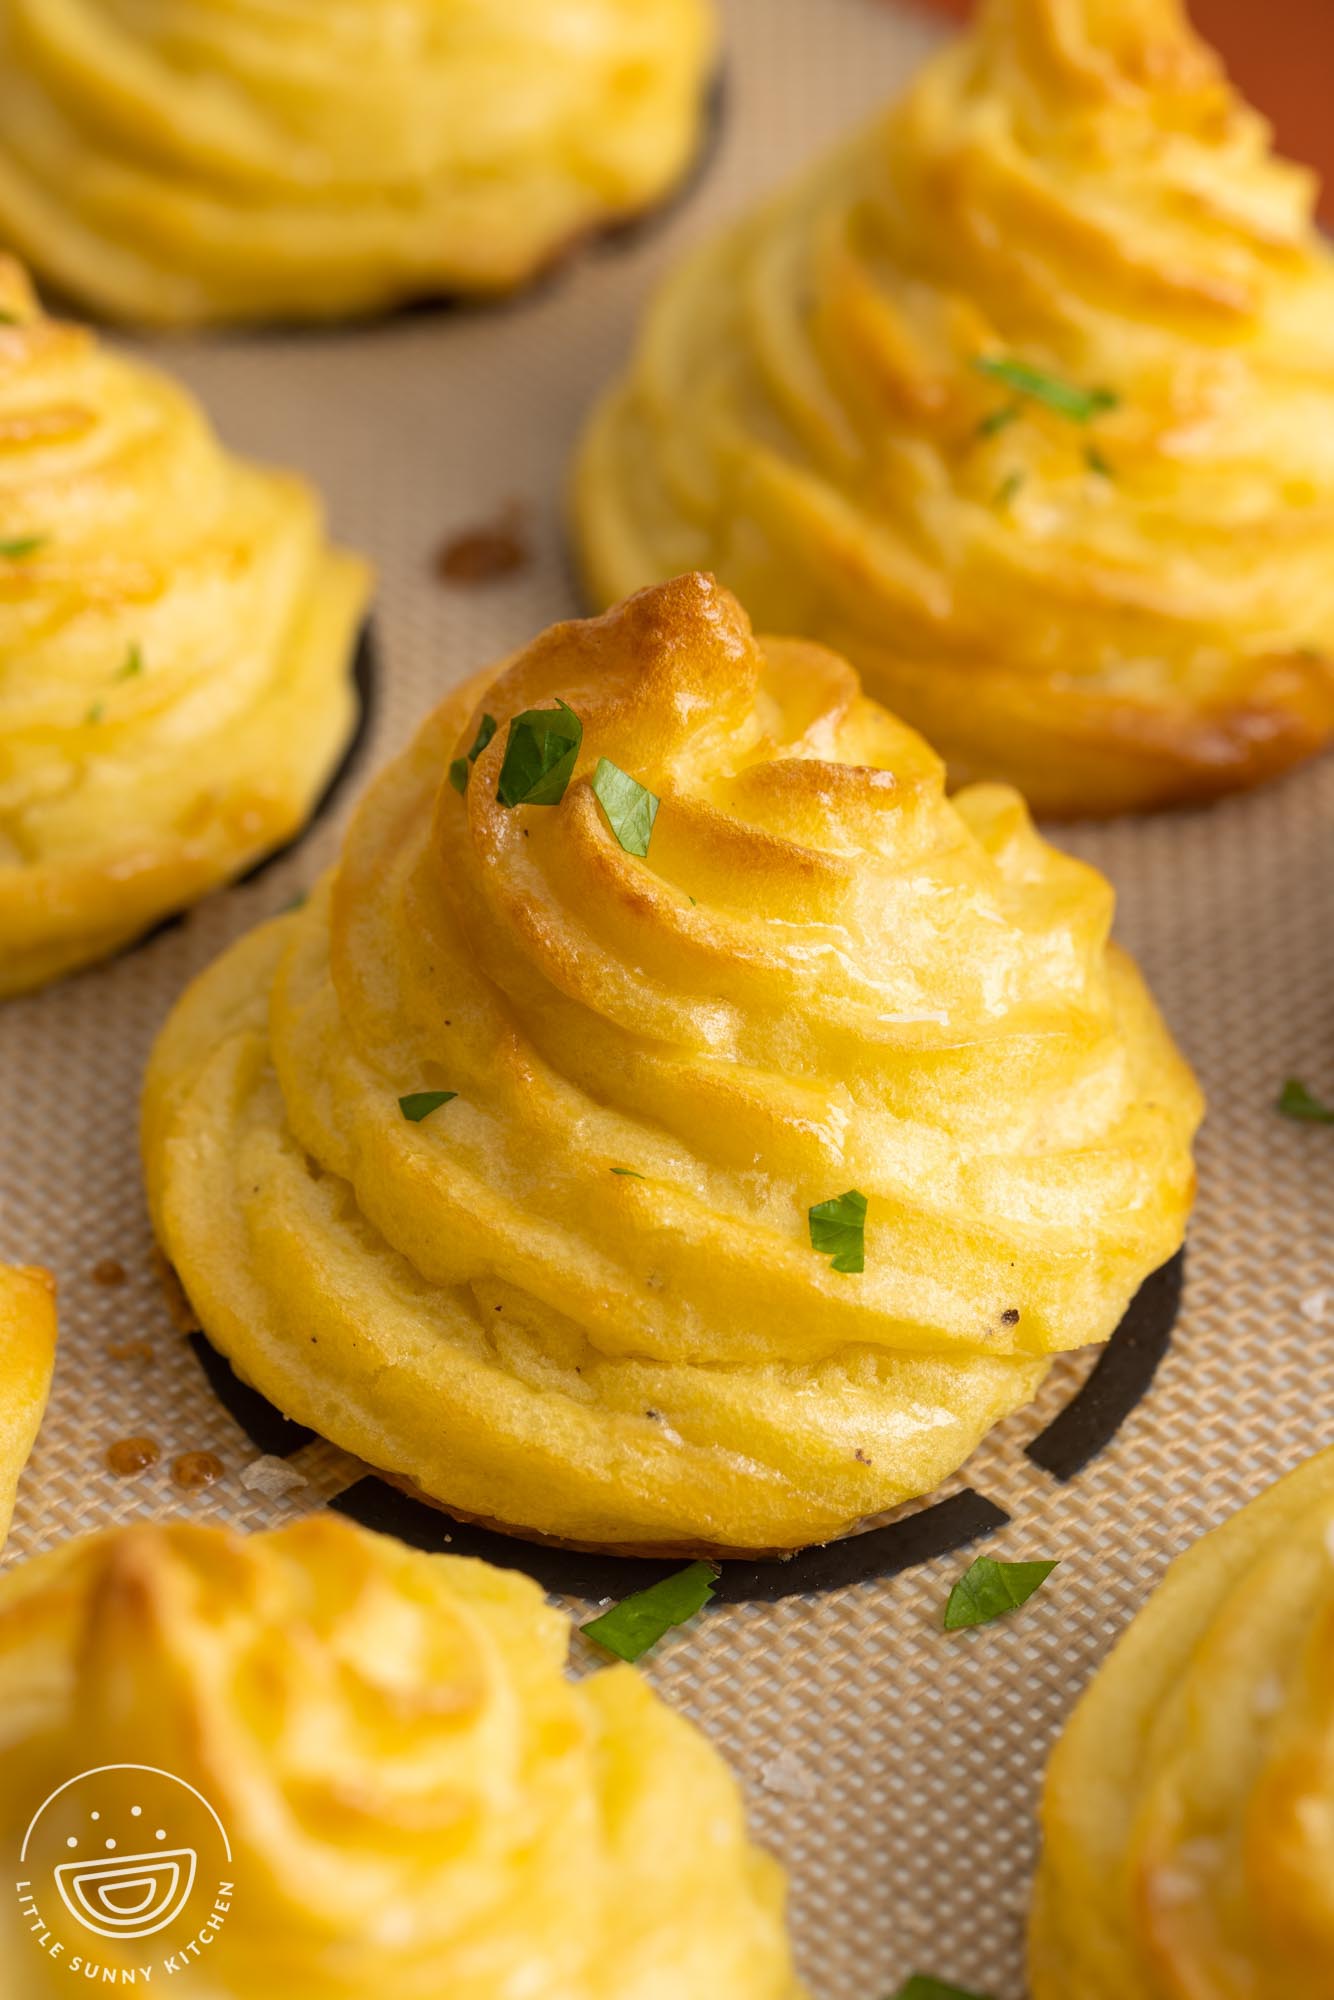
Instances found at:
x=1296 y=1101
x=838 y=1230
x=421 y=1103
x=458 y=770
x=923 y=1987
x=540 y=755
x=999 y=420
x=1067 y=399
x=15 y=547
x=989 y=1589
x=636 y=1624
x=630 y=807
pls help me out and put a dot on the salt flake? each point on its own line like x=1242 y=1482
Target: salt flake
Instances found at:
x=273 y=1477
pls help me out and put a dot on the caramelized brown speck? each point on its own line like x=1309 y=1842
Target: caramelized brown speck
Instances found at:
x=129 y=1350
x=483 y=554
x=133 y=1455
x=194 y=1470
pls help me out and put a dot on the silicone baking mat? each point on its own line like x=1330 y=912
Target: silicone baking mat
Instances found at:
x=894 y=1768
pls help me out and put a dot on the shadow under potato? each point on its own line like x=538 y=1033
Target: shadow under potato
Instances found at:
x=1070 y=1442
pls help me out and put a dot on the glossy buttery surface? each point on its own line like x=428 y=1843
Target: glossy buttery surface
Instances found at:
x=1119 y=613
x=176 y=641
x=27 y=1357
x=186 y=161
x=824 y=976
x=418 y=1801
x=1189 y=1817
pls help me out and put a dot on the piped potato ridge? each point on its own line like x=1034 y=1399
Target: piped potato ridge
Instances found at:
x=27 y=1361
x=1023 y=401
x=214 y=164
x=416 y=1795
x=176 y=648
x=580 y=1297
x=1189 y=1808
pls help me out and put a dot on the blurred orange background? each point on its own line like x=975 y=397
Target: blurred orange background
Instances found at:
x=1282 y=54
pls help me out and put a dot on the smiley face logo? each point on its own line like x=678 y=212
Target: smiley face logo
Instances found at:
x=134 y=1896
x=126 y=1846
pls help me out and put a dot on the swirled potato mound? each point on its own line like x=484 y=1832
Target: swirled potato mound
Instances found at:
x=1023 y=401
x=418 y=1801
x=1189 y=1814
x=304 y=159
x=581 y=1298
x=175 y=649
x=27 y=1357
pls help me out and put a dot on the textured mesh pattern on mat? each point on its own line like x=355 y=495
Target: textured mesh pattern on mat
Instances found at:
x=894 y=1769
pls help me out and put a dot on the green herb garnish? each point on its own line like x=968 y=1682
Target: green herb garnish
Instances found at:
x=923 y=1987
x=458 y=770
x=1296 y=1101
x=18 y=546
x=838 y=1230
x=630 y=807
x=999 y=420
x=540 y=755
x=989 y=1589
x=1007 y=489
x=96 y=712
x=635 y=1625
x=132 y=665
x=421 y=1103
x=1066 y=398
x=629 y=1173
x=1095 y=462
